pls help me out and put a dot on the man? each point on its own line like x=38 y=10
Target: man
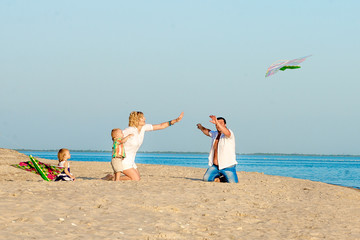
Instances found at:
x=222 y=157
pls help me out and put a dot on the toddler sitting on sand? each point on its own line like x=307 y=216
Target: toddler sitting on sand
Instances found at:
x=65 y=175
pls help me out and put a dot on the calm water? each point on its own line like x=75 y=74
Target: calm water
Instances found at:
x=339 y=170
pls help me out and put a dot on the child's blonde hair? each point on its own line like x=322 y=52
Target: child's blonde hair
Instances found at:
x=61 y=154
x=134 y=118
x=115 y=130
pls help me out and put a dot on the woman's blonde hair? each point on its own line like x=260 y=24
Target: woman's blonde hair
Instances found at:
x=61 y=154
x=134 y=118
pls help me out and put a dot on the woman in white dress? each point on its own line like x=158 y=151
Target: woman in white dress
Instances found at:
x=138 y=127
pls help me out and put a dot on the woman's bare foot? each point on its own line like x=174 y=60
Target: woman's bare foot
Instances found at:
x=109 y=177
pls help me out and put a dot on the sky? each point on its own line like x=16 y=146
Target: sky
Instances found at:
x=70 y=71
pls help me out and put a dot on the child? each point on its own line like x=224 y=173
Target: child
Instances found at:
x=118 y=151
x=64 y=156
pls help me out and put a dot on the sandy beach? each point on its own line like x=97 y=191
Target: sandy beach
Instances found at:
x=171 y=203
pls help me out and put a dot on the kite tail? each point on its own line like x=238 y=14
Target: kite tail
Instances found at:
x=289 y=67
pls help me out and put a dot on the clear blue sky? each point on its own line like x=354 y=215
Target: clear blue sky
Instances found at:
x=71 y=71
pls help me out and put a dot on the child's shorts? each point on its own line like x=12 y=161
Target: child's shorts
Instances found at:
x=117 y=165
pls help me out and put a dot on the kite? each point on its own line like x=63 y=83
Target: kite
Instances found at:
x=46 y=171
x=282 y=65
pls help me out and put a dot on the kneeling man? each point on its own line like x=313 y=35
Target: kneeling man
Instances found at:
x=222 y=157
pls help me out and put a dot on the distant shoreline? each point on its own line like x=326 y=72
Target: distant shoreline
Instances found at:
x=175 y=152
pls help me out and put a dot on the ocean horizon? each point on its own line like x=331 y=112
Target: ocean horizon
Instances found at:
x=189 y=152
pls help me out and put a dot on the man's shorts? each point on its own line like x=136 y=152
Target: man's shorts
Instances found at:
x=117 y=165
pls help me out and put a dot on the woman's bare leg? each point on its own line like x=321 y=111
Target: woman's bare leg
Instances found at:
x=131 y=174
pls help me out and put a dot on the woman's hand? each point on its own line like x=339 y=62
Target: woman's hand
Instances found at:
x=179 y=118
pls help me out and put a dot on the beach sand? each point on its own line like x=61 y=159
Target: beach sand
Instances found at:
x=171 y=203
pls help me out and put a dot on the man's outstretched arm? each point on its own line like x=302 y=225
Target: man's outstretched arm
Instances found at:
x=203 y=129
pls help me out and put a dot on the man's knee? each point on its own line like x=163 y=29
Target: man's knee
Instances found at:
x=210 y=177
x=229 y=176
x=232 y=178
x=206 y=178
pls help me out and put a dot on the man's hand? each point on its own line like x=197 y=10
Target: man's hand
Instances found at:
x=213 y=119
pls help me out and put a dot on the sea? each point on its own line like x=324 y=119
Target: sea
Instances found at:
x=334 y=169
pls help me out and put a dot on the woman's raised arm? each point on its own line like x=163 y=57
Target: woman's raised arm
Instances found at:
x=168 y=124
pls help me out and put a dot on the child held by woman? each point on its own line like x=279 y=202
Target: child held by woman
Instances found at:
x=118 y=151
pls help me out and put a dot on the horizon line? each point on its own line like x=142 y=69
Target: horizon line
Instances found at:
x=190 y=152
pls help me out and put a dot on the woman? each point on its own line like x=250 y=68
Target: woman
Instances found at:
x=138 y=127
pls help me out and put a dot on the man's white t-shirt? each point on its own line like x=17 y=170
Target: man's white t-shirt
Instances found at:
x=226 y=150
